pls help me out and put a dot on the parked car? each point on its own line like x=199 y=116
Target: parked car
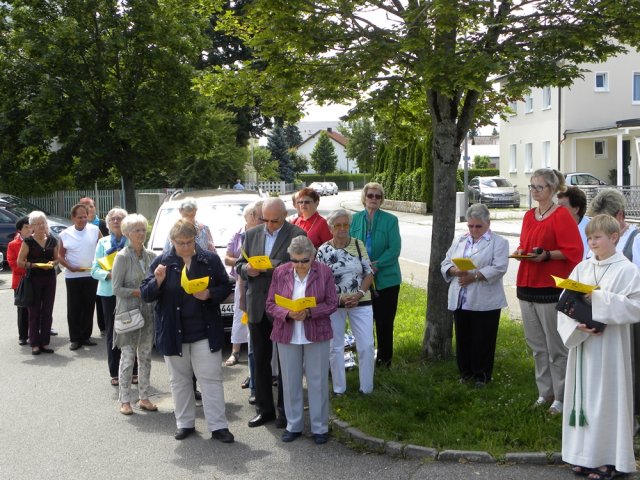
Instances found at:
x=582 y=178
x=331 y=188
x=319 y=187
x=221 y=211
x=11 y=209
x=493 y=192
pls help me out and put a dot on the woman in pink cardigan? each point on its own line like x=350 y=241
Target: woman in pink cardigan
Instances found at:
x=303 y=337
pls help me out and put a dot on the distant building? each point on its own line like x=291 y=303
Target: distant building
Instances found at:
x=482 y=145
x=339 y=142
x=309 y=128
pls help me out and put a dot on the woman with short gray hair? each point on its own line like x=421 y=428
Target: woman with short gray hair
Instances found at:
x=476 y=294
x=348 y=260
x=188 y=209
x=302 y=336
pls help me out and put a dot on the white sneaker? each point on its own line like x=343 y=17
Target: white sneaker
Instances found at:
x=555 y=408
x=540 y=402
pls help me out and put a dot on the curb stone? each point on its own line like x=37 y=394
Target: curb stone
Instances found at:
x=398 y=449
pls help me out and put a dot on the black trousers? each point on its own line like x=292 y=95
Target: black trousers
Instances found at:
x=384 y=315
x=23 y=322
x=262 y=353
x=81 y=300
x=100 y=315
x=476 y=334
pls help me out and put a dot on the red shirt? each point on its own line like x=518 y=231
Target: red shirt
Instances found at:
x=316 y=228
x=12 y=257
x=558 y=231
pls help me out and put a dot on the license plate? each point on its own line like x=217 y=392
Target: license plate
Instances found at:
x=226 y=309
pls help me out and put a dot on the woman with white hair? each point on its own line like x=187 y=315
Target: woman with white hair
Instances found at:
x=204 y=239
x=129 y=269
x=39 y=253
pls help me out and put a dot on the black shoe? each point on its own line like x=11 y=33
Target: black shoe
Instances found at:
x=53 y=332
x=246 y=382
x=35 y=352
x=46 y=350
x=74 y=346
x=252 y=400
x=23 y=341
x=197 y=394
x=182 y=433
x=89 y=343
x=281 y=421
x=288 y=436
x=261 y=419
x=320 y=438
x=224 y=435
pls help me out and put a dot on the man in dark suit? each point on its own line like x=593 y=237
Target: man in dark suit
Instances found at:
x=271 y=239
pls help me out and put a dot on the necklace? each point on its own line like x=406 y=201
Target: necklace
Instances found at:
x=603 y=273
x=541 y=215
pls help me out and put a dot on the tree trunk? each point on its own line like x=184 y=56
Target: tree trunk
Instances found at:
x=446 y=155
x=130 y=203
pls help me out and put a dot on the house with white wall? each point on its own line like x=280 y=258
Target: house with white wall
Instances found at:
x=339 y=143
x=592 y=126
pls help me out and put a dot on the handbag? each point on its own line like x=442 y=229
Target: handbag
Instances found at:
x=24 y=293
x=128 y=321
x=574 y=305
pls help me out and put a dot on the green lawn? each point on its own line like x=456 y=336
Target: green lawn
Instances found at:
x=423 y=403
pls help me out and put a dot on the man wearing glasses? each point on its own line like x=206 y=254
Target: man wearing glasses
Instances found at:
x=271 y=239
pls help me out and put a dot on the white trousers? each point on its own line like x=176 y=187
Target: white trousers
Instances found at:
x=239 y=330
x=361 y=321
x=197 y=358
x=313 y=359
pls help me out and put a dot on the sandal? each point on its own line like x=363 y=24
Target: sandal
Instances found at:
x=606 y=474
x=147 y=405
x=580 y=471
x=114 y=381
x=134 y=379
x=233 y=359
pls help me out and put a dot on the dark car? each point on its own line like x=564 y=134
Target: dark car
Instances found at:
x=13 y=208
x=493 y=192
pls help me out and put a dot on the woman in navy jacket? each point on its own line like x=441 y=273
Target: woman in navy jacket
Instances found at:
x=189 y=330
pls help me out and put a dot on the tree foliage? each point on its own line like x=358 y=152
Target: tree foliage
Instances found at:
x=441 y=54
x=362 y=143
x=481 y=161
x=279 y=148
x=323 y=157
x=266 y=167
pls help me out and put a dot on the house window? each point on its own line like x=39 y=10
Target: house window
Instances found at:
x=600 y=148
x=635 y=96
x=546 y=98
x=546 y=154
x=528 y=103
x=602 y=82
x=528 y=157
x=513 y=106
x=513 y=159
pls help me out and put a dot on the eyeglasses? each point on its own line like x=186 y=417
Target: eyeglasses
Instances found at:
x=475 y=226
x=304 y=260
x=340 y=225
x=272 y=222
x=184 y=244
x=377 y=196
x=537 y=188
x=304 y=202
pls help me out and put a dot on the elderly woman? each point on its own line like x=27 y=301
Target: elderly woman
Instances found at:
x=348 y=260
x=188 y=209
x=575 y=200
x=239 y=331
x=381 y=235
x=189 y=329
x=39 y=253
x=309 y=219
x=112 y=243
x=551 y=242
x=303 y=337
x=476 y=295
x=129 y=269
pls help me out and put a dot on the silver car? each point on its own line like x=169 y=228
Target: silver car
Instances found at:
x=493 y=192
x=331 y=188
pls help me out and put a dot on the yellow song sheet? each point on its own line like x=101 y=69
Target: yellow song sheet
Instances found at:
x=193 y=286
x=295 y=305
x=464 y=264
x=259 y=262
x=45 y=266
x=107 y=262
x=524 y=255
x=574 y=285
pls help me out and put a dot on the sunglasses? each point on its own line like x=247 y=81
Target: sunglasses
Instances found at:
x=269 y=221
x=474 y=226
x=377 y=196
x=304 y=202
x=304 y=260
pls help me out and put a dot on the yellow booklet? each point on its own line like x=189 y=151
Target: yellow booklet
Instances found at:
x=107 y=262
x=574 y=285
x=45 y=266
x=464 y=264
x=295 y=305
x=259 y=262
x=193 y=286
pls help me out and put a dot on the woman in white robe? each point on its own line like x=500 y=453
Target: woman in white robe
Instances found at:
x=598 y=388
